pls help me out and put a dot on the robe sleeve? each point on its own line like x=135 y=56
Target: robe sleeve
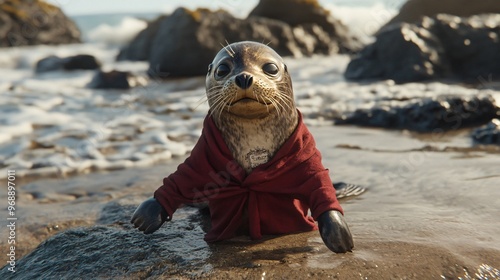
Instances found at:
x=190 y=184
x=318 y=188
x=209 y=168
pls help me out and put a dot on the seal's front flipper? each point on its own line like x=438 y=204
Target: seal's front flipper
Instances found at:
x=346 y=189
x=149 y=216
x=335 y=232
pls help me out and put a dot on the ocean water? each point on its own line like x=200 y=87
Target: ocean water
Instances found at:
x=53 y=125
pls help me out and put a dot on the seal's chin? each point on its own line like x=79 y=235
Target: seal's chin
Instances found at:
x=250 y=108
x=248 y=100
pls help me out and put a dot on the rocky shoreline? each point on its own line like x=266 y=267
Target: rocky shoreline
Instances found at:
x=89 y=149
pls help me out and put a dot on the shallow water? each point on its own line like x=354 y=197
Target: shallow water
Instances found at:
x=426 y=214
x=53 y=125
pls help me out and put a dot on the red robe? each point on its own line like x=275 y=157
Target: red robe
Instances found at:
x=275 y=196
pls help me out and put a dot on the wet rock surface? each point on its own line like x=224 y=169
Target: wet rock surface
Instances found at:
x=185 y=42
x=429 y=115
x=414 y=10
x=35 y=22
x=440 y=47
x=112 y=248
x=77 y=62
x=488 y=134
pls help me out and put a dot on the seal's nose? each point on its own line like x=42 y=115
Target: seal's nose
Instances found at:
x=244 y=81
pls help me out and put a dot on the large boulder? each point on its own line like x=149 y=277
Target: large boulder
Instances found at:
x=34 y=22
x=429 y=115
x=185 y=42
x=443 y=46
x=308 y=14
x=414 y=10
x=140 y=47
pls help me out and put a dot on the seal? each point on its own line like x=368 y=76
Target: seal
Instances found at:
x=256 y=164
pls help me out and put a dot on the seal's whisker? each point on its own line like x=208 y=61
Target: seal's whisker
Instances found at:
x=278 y=110
x=215 y=107
x=280 y=105
x=209 y=96
x=199 y=102
x=283 y=94
x=262 y=100
x=285 y=101
x=274 y=103
x=227 y=50
x=218 y=100
x=231 y=48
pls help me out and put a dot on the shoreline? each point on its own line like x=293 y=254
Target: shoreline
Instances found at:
x=423 y=222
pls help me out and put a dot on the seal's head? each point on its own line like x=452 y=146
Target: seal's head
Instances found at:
x=250 y=95
x=248 y=80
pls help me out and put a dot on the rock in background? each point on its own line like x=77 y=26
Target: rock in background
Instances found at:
x=35 y=22
x=185 y=42
x=414 y=10
x=115 y=80
x=443 y=46
x=488 y=134
x=329 y=33
x=76 y=62
x=437 y=114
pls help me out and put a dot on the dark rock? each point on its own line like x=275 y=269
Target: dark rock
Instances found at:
x=434 y=48
x=309 y=14
x=140 y=48
x=429 y=115
x=50 y=63
x=415 y=10
x=187 y=41
x=77 y=62
x=184 y=43
x=116 y=250
x=35 y=22
x=81 y=62
x=111 y=80
x=488 y=134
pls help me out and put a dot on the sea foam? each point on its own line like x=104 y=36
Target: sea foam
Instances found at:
x=119 y=34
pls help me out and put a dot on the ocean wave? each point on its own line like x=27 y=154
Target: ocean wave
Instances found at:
x=119 y=34
x=363 y=21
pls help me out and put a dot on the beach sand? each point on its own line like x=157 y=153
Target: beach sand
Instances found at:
x=428 y=213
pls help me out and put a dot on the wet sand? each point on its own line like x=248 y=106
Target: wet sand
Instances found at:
x=429 y=213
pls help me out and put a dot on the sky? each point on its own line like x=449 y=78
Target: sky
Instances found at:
x=237 y=7
x=84 y=7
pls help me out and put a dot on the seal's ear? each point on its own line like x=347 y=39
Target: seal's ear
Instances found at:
x=209 y=68
x=286 y=68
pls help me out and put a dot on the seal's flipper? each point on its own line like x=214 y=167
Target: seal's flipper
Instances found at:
x=335 y=232
x=346 y=189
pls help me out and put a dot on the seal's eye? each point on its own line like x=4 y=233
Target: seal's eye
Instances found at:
x=210 y=67
x=270 y=69
x=222 y=70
